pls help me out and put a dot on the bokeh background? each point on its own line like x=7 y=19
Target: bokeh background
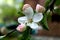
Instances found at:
x=10 y=10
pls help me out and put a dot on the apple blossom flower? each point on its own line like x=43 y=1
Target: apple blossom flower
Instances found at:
x=30 y=19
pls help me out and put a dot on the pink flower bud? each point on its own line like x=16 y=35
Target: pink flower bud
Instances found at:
x=40 y=8
x=21 y=27
x=26 y=6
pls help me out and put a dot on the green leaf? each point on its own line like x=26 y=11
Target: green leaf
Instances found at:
x=26 y=34
x=57 y=2
x=44 y=22
x=48 y=16
x=47 y=2
x=57 y=11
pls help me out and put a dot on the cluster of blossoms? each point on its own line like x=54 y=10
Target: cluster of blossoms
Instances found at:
x=30 y=19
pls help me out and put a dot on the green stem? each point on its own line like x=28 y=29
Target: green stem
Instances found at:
x=26 y=34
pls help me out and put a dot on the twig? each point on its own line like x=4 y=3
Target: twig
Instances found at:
x=10 y=32
x=50 y=6
x=7 y=34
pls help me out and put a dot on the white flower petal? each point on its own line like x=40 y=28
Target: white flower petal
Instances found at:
x=37 y=17
x=34 y=26
x=28 y=12
x=22 y=19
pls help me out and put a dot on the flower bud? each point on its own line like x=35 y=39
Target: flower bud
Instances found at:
x=40 y=8
x=4 y=30
x=26 y=6
x=21 y=28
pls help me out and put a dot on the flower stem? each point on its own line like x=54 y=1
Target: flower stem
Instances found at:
x=26 y=34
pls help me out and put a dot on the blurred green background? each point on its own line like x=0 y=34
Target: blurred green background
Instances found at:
x=9 y=10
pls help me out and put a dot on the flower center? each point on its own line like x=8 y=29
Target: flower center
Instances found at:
x=30 y=21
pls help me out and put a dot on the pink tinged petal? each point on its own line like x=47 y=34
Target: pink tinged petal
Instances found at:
x=21 y=28
x=26 y=6
x=40 y=8
x=28 y=12
x=34 y=26
x=22 y=19
x=37 y=17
